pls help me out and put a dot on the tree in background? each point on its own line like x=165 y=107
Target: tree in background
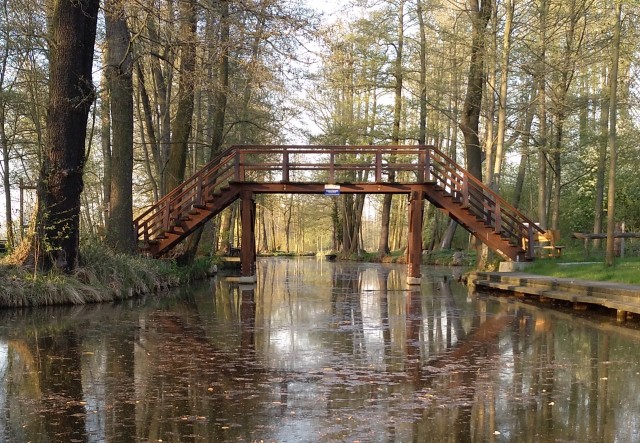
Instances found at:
x=119 y=72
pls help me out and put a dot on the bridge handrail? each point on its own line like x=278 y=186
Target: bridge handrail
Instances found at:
x=481 y=191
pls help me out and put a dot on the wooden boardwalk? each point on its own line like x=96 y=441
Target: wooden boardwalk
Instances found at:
x=622 y=298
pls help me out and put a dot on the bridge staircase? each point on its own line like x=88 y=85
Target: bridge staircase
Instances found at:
x=421 y=172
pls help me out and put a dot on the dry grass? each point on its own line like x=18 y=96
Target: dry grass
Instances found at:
x=101 y=277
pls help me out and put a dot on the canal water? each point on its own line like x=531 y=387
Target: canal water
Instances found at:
x=317 y=352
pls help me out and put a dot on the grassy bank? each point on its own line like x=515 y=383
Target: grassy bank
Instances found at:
x=101 y=277
x=626 y=270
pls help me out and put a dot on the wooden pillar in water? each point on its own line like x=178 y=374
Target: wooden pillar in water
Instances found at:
x=414 y=249
x=248 y=240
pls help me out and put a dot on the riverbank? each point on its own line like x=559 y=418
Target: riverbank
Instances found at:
x=622 y=298
x=101 y=277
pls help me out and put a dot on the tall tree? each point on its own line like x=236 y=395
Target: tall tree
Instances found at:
x=119 y=70
x=398 y=73
x=177 y=161
x=542 y=116
x=502 y=101
x=480 y=11
x=222 y=88
x=5 y=167
x=71 y=94
x=613 y=153
x=602 y=158
x=422 y=83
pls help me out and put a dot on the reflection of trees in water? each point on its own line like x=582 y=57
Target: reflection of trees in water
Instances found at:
x=60 y=373
x=189 y=381
x=461 y=369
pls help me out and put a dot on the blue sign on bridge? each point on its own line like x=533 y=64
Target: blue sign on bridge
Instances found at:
x=331 y=189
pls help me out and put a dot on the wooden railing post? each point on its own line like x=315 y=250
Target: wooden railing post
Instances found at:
x=198 y=199
x=166 y=217
x=465 y=191
x=421 y=165
x=332 y=166
x=285 y=165
x=497 y=216
x=530 y=246
x=427 y=164
x=236 y=165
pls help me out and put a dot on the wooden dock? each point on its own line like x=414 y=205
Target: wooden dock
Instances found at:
x=622 y=298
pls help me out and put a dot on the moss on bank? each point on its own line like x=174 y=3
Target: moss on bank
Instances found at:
x=101 y=277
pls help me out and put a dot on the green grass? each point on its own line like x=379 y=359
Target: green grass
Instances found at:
x=625 y=270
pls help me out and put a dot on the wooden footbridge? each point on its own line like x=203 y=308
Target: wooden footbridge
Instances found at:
x=421 y=172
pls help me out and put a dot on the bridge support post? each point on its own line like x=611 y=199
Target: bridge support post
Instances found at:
x=414 y=249
x=248 y=239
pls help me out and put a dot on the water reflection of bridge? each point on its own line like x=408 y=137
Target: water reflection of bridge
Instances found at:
x=421 y=172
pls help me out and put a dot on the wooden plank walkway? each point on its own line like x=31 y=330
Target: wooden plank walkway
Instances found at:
x=620 y=297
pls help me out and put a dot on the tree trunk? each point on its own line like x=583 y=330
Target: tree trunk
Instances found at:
x=6 y=182
x=287 y=226
x=4 y=145
x=542 y=119
x=489 y=112
x=146 y=122
x=480 y=15
x=572 y=43
x=613 y=154
x=105 y=143
x=177 y=161
x=524 y=156
x=71 y=94
x=119 y=71
x=219 y=115
x=223 y=85
x=337 y=227
x=383 y=244
x=502 y=101
x=422 y=131
x=447 y=237
x=162 y=86
x=602 y=159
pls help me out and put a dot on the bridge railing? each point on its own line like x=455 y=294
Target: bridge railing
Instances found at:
x=336 y=164
x=485 y=204
x=331 y=164
x=153 y=222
